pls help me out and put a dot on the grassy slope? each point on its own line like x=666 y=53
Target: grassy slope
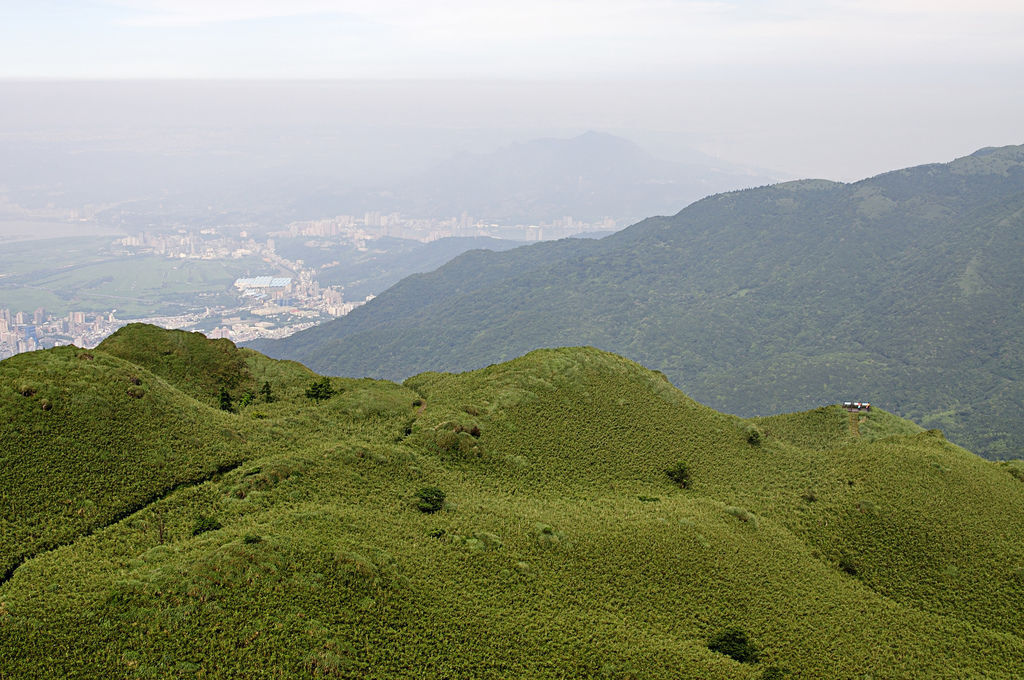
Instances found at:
x=552 y=557
x=98 y=452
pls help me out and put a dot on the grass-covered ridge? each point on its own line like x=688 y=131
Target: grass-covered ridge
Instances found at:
x=195 y=364
x=518 y=522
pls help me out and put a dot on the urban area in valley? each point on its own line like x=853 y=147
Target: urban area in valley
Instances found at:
x=236 y=281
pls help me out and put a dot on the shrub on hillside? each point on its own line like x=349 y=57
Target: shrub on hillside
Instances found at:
x=430 y=499
x=734 y=643
x=547 y=537
x=320 y=389
x=754 y=435
x=204 y=524
x=680 y=474
x=225 y=400
x=848 y=564
x=1016 y=469
x=266 y=393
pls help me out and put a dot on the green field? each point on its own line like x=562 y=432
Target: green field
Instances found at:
x=148 y=534
x=82 y=277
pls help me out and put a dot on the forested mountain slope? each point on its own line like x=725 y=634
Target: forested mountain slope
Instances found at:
x=514 y=522
x=903 y=289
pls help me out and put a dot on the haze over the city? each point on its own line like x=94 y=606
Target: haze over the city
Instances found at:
x=837 y=89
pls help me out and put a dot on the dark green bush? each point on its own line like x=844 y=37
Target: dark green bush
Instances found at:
x=754 y=435
x=266 y=393
x=204 y=524
x=249 y=539
x=734 y=643
x=225 y=400
x=680 y=474
x=848 y=564
x=320 y=389
x=430 y=499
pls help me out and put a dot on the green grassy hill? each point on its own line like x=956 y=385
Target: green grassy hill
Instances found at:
x=88 y=439
x=901 y=289
x=194 y=364
x=561 y=548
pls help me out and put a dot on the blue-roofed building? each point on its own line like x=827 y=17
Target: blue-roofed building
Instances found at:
x=264 y=286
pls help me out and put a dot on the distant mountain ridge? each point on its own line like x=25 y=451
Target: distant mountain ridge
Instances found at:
x=590 y=176
x=903 y=289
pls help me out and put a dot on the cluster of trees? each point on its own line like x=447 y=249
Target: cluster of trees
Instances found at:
x=227 y=403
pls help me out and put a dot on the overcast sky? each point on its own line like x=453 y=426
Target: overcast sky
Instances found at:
x=834 y=88
x=477 y=38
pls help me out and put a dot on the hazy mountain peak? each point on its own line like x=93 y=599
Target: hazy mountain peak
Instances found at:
x=591 y=176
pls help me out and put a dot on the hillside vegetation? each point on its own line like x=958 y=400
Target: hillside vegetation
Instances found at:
x=903 y=289
x=517 y=521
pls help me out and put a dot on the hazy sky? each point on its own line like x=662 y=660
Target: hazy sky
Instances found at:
x=474 y=38
x=834 y=88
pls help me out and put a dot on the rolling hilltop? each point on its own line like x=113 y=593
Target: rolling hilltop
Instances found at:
x=565 y=514
x=904 y=289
